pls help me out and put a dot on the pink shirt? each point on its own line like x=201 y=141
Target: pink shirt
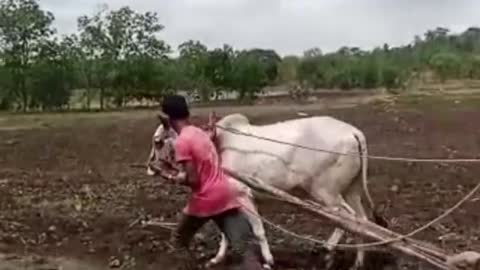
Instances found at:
x=212 y=194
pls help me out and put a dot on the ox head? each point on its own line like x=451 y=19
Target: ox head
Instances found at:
x=162 y=148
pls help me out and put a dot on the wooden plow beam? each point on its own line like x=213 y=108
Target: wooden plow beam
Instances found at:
x=411 y=247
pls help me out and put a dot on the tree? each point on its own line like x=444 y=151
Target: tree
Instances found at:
x=23 y=27
x=307 y=70
x=312 y=53
x=5 y=85
x=218 y=69
x=119 y=56
x=270 y=59
x=287 y=69
x=193 y=62
x=392 y=77
x=446 y=65
x=469 y=41
x=474 y=67
x=248 y=76
x=53 y=75
x=116 y=39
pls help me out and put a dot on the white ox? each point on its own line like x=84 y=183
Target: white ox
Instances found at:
x=335 y=180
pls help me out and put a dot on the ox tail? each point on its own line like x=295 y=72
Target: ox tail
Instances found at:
x=362 y=147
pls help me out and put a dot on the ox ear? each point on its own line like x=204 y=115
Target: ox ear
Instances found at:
x=164 y=121
x=212 y=118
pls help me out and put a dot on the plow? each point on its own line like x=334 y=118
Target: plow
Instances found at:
x=382 y=237
x=435 y=256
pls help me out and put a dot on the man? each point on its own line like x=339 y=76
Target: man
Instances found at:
x=212 y=197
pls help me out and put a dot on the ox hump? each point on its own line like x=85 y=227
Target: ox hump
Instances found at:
x=233 y=120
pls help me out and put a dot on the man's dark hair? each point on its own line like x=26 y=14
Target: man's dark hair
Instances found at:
x=175 y=106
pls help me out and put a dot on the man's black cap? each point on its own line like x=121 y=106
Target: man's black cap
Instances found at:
x=176 y=107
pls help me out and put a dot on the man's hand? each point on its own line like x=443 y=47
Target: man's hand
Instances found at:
x=187 y=174
x=168 y=174
x=175 y=176
x=165 y=170
x=184 y=174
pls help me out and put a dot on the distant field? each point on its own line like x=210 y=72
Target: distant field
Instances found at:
x=465 y=98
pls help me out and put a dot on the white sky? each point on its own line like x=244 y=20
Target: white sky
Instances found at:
x=288 y=26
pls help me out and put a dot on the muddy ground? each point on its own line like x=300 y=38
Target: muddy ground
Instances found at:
x=68 y=193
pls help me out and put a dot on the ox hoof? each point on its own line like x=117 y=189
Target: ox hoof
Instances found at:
x=150 y=172
x=329 y=260
x=356 y=266
x=466 y=260
x=267 y=266
x=211 y=263
x=269 y=262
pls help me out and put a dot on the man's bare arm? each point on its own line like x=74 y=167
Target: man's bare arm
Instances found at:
x=186 y=174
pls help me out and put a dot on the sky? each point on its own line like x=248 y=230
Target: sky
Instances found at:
x=287 y=26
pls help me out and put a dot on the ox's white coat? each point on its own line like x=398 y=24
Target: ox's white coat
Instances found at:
x=332 y=179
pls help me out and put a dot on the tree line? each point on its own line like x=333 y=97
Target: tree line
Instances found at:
x=117 y=57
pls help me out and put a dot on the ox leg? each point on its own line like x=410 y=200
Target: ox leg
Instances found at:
x=354 y=200
x=335 y=239
x=222 y=251
x=151 y=157
x=338 y=233
x=150 y=172
x=258 y=230
x=331 y=245
x=335 y=202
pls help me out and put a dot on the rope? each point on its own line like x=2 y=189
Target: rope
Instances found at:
x=375 y=157
x=350 y=153
x=354 y=246
x=378 y=243
x=371 y=244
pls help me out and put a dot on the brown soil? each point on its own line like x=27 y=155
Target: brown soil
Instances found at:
x=69 y=191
